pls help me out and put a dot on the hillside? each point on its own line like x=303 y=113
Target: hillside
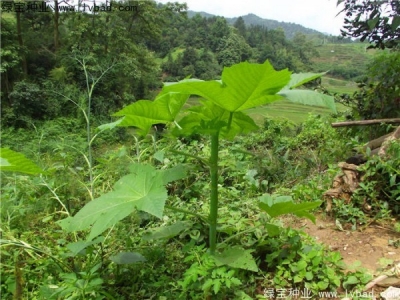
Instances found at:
x=343 y=60
x=290 y=29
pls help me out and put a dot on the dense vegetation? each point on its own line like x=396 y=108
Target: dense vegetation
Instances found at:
x=203 y=195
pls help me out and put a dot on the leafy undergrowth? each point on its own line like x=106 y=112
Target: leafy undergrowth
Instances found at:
x=145 y=257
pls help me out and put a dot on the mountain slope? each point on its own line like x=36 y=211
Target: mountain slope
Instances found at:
x=290 y=29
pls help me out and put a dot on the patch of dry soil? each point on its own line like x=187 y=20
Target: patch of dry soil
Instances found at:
x=368 y=246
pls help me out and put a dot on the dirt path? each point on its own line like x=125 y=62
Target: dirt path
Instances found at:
x=368 y=246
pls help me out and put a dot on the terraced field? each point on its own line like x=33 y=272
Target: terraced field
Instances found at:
x=284 y=109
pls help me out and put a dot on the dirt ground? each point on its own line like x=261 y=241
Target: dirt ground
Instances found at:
x=368 y=246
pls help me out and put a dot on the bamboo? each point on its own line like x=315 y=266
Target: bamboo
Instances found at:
x=366 y=122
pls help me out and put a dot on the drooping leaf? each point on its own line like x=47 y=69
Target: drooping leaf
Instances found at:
x=243 y=86
x=208 y=118
x=298 y=79
x=144 y=113
x=12 y=161
x=166 y=232
x=77 y=247
x=109 y=126
x=125 y=258
x=308 y=97
x=236 y=258
x=143 y=190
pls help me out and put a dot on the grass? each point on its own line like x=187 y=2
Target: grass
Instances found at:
x=339 y=86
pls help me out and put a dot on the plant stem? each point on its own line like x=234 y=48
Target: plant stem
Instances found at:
x=187 y=212
x=214 y=192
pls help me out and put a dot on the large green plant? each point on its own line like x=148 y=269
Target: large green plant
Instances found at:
x=221 y=114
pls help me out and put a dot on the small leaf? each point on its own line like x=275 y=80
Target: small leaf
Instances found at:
x=124 y=258
x=323 y=285
x=395 y=22
x=217 y=286
x=272 y=229
x=109 y=126
x=159 y=155
x=237 y=258
x=166 y=232
x=77 y=247
x=373 y=22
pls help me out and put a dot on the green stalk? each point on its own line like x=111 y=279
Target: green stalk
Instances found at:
x=214 y=192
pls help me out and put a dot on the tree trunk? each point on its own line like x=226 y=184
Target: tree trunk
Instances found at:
x=56 y=26
x=21 y=45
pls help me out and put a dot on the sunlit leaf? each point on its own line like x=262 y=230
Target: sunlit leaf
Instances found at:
x=299 y=79
x=12 y=161
x=308 y=97
x=243 y=86
x=143 y=190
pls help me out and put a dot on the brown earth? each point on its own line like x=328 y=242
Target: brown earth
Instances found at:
x=368 y=246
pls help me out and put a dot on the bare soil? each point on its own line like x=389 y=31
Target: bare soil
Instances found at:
x=368 y=246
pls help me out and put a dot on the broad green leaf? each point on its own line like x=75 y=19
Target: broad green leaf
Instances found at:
x=208 y=118
x=299 y=79
x=243 y=86
x=142 y=190
x=289 y=207
x=145 y=113
x=236 y=258
x=12 y=161
x=124 y=258
x=166 y=232
x=308 y=97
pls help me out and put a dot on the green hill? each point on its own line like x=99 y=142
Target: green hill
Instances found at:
x=347 y=61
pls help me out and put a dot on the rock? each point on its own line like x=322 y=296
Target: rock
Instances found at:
x=390 y=281
x=391 y=293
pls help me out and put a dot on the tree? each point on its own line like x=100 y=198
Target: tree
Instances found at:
x=240 y=26
x=379 y=96
x=372 y=20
